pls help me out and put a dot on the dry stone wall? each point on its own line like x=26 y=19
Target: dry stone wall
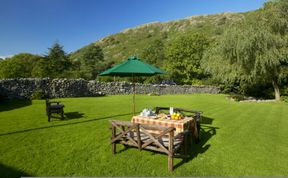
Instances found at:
x=61 y=88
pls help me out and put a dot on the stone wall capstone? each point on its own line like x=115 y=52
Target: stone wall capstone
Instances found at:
x=23 y=88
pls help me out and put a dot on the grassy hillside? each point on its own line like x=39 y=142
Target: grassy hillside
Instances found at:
x=120 y=46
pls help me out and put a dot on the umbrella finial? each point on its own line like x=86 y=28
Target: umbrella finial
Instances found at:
x=133 y=58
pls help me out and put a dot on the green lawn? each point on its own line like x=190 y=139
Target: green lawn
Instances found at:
x=238 y=139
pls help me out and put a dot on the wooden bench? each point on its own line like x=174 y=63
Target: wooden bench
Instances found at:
x=150 y=137
x=54 y=107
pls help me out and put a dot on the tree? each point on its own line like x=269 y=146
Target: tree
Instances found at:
x=55 y=63
x=184 y=56
x=91 y=61
x=20 y=65
x=254 y=50
x=154 y=54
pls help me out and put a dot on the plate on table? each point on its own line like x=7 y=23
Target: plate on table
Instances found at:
x=162 y=116
x=153 y=117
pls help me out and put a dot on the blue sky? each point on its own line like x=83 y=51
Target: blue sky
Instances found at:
x=34 y=25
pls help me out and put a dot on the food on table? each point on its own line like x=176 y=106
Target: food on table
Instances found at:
x=162 y=116
x=176 y=116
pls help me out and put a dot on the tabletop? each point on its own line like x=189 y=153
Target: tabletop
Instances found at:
x=187 y=123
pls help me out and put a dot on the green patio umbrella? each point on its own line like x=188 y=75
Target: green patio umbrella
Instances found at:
x=131 y=68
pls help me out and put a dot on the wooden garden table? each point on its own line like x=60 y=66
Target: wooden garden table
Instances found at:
x=188 y=123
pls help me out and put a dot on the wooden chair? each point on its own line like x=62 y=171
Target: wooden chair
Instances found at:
x=54 y=108
x=150 y=137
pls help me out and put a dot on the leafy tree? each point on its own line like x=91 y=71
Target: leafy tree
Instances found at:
x=184 y=56
x=91 y=62
x=20 y=65
x=154 y=54
x=254 y=50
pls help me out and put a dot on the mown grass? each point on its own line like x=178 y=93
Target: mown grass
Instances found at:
x=238 y=139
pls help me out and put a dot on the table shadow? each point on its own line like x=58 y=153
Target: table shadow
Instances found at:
x=206 y=133
x=11 y=172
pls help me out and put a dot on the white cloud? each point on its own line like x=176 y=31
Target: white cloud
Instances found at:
x=4 y=57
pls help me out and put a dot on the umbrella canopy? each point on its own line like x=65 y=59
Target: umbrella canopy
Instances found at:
x=131 y=68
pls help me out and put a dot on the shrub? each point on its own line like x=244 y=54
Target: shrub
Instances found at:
x=229 y=88
x=38 y=95
x=237 y=97
x=284 y=98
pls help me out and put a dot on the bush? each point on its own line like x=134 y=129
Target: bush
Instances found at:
x=38 y=95
x=237 y=97
x=284 y=98
x=229 y=88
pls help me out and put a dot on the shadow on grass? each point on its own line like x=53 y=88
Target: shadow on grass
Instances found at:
x=73 y=115
x=206 y=120
x=68 y=116
x=61 y=125
x=206 y=133
x=7 y=105
x=7 y=171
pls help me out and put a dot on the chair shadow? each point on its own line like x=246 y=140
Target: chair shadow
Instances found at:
x=206 y=120
x=73 y=115
x=7 y=171
x=7 y=105
x=68 y=116
x=206 y=133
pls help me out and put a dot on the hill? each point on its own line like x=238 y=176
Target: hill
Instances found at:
x=132 y=41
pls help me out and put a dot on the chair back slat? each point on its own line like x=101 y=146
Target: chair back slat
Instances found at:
x=54 y=108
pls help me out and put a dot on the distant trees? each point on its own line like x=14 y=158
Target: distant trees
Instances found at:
x=154 y=53
x=20 y=65
x=180 y=58
x=90 y=62
x=55 y=63
x=184 y=56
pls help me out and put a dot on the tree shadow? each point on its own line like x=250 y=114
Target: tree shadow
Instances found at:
x=7 y=105
x=61 y=125
x=206 y=133
x=7 y=171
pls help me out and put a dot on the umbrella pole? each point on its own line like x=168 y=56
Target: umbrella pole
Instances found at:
x=133 y=95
